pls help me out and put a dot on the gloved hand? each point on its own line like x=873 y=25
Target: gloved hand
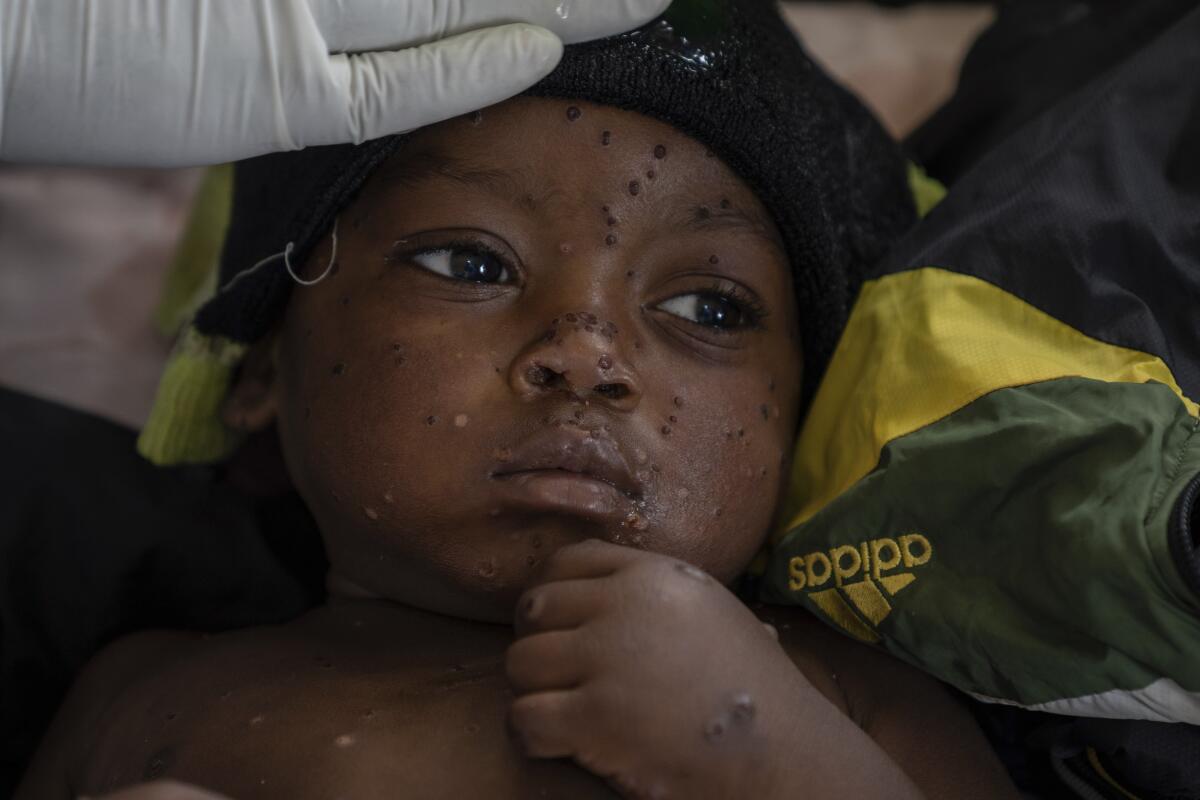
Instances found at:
x=180 y=82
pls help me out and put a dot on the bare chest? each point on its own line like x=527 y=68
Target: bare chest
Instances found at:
x=328 y=731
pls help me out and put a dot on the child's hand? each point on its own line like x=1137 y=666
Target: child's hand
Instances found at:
x=651 y=674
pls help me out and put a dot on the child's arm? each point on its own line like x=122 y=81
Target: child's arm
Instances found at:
x=649 y=673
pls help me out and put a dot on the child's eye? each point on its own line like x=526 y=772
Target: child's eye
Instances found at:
x=465 y=264
x=710 y=309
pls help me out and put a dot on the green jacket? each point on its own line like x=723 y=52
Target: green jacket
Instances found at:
x=998 y=479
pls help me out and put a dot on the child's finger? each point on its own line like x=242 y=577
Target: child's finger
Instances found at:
x=546 y=661
x=546 y=723
x=592 y=558
x=560 y=605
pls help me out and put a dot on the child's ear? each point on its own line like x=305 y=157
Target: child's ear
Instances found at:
x=252 y=402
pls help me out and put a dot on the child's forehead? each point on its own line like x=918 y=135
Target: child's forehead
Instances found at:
x=551 y=154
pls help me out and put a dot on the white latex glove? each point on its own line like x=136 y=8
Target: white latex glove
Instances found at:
x=182 y=82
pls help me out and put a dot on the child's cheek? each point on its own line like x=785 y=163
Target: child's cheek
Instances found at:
x=382 y=415
x=721 y=475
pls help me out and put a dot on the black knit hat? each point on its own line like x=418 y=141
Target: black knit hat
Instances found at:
x=730 y=74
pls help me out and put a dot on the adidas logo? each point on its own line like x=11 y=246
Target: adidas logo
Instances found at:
x=860 y=575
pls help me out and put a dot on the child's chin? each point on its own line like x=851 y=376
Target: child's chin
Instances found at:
x=480 y=579
x=484 y=592
x=493 y=602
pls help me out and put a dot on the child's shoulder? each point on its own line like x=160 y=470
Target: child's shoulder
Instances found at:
x=133 y=658
x=115 y=670
x=862 y=680
x=151 y=705
x=914 y=718
x=149 y=702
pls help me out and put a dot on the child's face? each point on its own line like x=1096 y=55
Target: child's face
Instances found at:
x=549 y=322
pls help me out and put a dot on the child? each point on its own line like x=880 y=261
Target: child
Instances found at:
x=544 y=363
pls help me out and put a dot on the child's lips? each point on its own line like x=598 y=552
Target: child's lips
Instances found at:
x=560 y=492
x=568 y=470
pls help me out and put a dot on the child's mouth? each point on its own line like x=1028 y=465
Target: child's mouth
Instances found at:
x=568 y=471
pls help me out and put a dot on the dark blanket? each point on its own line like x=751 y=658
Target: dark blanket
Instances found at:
x=95 y=542
x=1036 y=53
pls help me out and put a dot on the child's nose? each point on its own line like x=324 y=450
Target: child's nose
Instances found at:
x=579 y=355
